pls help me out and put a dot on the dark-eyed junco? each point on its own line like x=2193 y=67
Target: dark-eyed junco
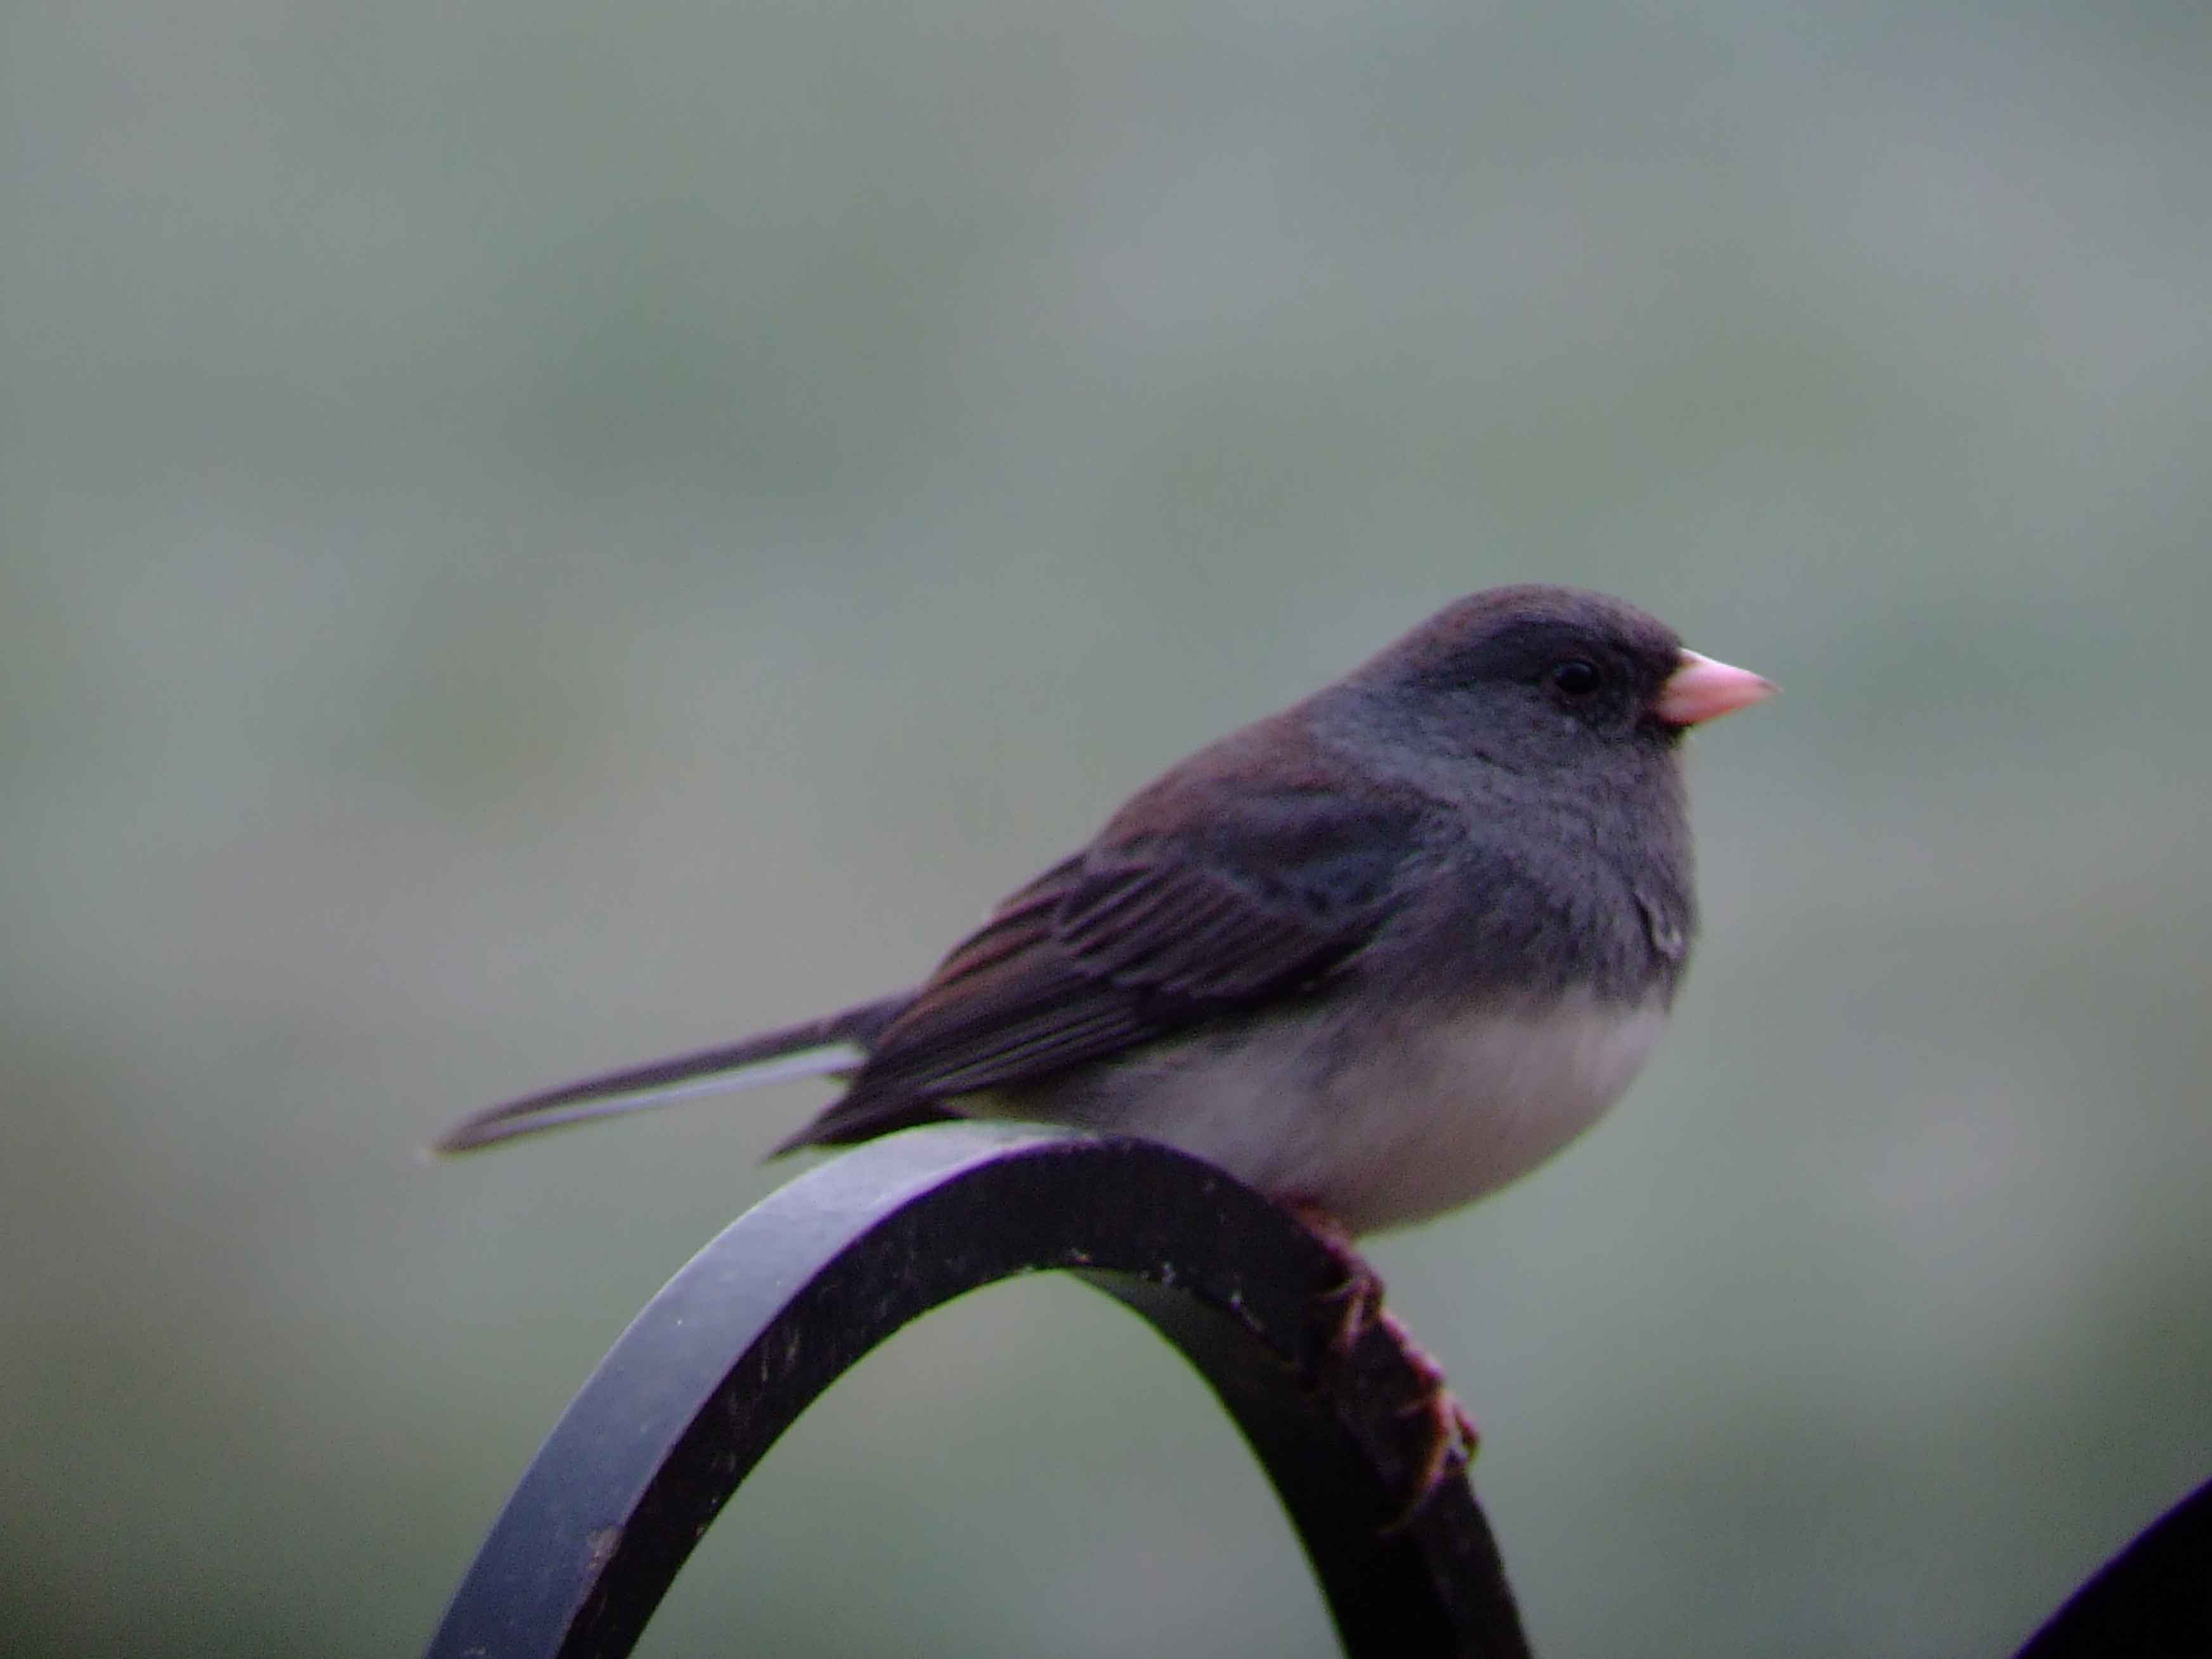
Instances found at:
x=1375 y=956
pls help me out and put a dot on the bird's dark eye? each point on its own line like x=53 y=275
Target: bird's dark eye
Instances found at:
x=1576 y=678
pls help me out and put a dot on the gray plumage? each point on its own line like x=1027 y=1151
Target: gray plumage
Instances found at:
x=1379 y=953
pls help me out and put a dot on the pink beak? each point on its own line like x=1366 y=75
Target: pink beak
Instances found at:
x=1703 y=689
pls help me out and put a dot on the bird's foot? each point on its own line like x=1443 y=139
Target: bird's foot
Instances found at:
x=1452 y=1438
x=1353 y=1307
x=1356 y=1302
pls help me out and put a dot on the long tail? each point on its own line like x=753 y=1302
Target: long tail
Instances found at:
x=838 y=1042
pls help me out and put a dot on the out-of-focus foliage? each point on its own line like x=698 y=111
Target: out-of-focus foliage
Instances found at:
x=533 y=534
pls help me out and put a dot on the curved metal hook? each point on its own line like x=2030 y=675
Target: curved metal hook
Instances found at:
x=798 y=1289
x=2153 y=1599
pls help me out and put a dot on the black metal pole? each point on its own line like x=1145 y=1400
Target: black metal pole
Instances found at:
x=2152 y=1601
x=798 y=1289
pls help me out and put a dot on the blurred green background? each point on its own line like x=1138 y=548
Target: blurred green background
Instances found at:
x=540 y=534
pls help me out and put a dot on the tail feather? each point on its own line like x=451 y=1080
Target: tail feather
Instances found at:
x=836 y=1044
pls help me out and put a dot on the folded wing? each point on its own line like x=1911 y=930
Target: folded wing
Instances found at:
x=1135 y=939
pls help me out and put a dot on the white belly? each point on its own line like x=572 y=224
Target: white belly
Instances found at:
x=1393 y=1127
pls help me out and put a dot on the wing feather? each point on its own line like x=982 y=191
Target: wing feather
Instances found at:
x=1133 y=941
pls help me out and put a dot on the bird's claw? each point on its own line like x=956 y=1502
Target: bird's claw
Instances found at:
x=1450 y=1447
x=1355 y=1306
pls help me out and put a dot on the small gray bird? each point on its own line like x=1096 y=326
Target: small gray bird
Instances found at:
x=1376 y=956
